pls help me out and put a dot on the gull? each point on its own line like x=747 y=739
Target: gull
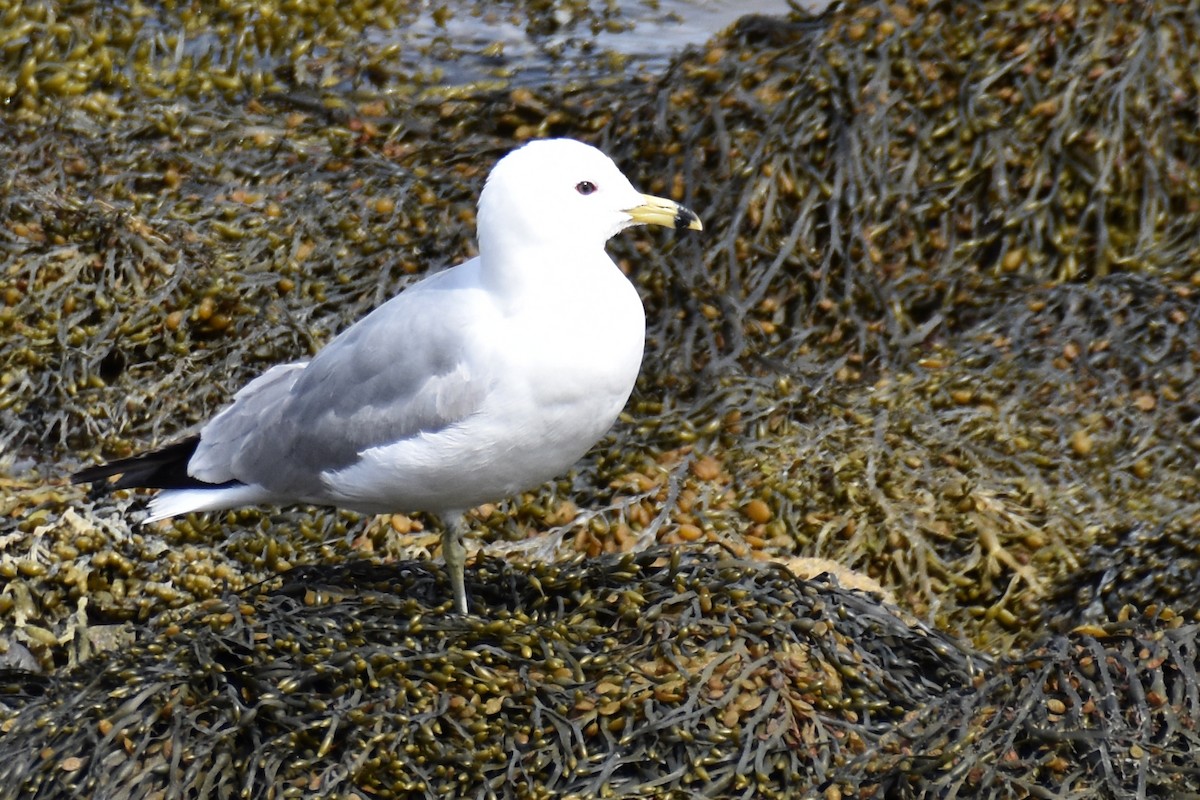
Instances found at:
x=473 y=384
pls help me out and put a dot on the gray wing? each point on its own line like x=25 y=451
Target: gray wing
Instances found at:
x=257 y=405
x=412 y=366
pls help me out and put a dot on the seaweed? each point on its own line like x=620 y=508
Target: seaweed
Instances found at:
x=661 y=674
x=941 y=331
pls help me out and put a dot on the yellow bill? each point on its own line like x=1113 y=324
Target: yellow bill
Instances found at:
x=661 y=211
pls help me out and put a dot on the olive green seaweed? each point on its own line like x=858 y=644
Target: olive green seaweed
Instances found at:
x=941 y=330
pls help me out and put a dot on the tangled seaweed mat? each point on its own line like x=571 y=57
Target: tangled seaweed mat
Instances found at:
x=642 y=675
x=941 y=329
x=671 y=673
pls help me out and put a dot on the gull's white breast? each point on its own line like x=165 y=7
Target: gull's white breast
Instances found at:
x=562 y=355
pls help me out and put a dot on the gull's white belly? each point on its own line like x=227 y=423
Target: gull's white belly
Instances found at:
x=478 y=460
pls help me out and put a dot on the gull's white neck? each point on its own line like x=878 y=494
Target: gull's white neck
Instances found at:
x=523 y=271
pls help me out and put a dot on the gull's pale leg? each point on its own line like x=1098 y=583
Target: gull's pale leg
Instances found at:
x=455 y=553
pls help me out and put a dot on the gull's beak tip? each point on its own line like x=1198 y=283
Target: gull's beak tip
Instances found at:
x=686 y=219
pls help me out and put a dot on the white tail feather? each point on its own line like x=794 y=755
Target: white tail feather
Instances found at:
x=173 y=502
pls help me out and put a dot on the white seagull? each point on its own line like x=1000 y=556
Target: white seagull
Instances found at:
x=473 y=384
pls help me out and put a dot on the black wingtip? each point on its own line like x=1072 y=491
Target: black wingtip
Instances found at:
x=165 y=468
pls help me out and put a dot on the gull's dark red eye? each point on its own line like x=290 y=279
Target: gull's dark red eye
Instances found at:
x=585 y=187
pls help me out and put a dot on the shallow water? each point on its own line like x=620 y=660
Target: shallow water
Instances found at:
x=472 y=43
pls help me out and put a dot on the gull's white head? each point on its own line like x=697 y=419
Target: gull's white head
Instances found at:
x=560 y=191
